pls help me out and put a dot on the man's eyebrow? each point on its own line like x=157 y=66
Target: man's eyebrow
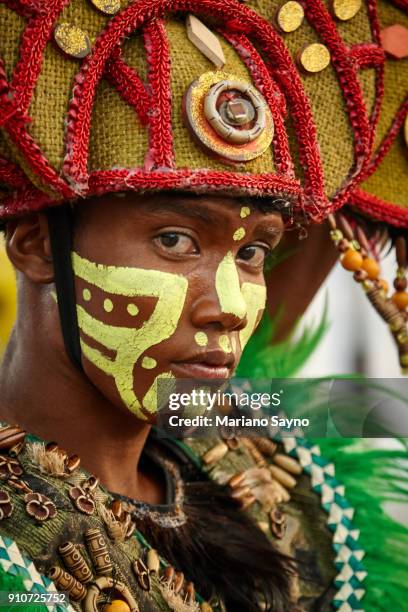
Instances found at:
x=191 y=209
x=268 y=231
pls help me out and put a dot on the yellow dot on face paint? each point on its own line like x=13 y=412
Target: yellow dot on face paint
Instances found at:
x=86 y=294
x=239 y=234
x=108 y=305
x=201 y=338
x=148 y=363
x=225 y=344
x=132 y=309
x=245 y=212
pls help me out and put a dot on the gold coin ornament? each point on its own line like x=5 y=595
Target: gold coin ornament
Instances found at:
x=289 y=16
x=72 y=40
x=346 y=9
x=229 y=116
x=314 y=58
x=406 y=130
x=108 y=7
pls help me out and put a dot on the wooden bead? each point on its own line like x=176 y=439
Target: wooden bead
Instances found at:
x=215 y=453
x=168 y=574
x=236 y=480
x=205 y=607
x=282 y=476
x=178 y=582
x=351 y=260
x=205 y=41
x=343 y=245
x=371 y=267
x=400 y=299
x=153 y=561
x=360 y=276
x=10 y=435
x=117 y=605
x=288 y=463
x=384 y=285
x=400 y=284
x=190 y=593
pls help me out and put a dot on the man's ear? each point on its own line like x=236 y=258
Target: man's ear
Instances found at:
x=28 y=247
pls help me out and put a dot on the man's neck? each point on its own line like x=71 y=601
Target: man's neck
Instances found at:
x=47 y=396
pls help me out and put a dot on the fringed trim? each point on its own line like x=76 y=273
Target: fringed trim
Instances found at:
x=352 y=573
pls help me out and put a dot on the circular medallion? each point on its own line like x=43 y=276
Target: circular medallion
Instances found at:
x=315 y=57
x=72 y=40
x=108 y=7
x=289 y=16
x=346 y=9
x=229 y=116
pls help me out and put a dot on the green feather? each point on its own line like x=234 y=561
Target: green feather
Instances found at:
x=261 y=359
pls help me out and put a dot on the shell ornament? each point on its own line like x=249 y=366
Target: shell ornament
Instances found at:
x=229 y=117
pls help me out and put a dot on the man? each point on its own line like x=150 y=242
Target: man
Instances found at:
x=123 y=284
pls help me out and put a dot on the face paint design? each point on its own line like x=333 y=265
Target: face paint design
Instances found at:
x=239 y=234
x=255 y=297
x=245 y=212
x=127 y=343
x=247 y=300
x=225 y=344
x=228 y=288
x=201 y=338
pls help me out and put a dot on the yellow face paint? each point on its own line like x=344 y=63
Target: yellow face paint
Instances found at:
x=108 y=305
x=245 y=212
x=239 y=234
x=228 y=288
x=128 y=343
x=255 y=298
x=132 y=310
x=224 y=343
x=149 y=363
x=201 y=338
x=157 y=395
x=86 y=294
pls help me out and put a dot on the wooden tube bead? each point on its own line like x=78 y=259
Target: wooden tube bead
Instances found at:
x=10 y=436
x=75 y=563
x=65 y=582
x=288 y=463
x=98 y=551
x=282 y=476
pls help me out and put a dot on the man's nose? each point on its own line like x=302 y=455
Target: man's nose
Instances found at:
x=222 y=303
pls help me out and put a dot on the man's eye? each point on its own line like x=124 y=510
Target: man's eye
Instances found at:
x=177 y=243
x=254 y=254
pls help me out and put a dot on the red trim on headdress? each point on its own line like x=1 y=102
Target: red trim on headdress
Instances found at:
x=233 y=183
x=161 y=152
x=378 y=209
x=129 y=85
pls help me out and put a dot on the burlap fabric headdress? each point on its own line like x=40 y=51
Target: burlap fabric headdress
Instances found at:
x=113 y=119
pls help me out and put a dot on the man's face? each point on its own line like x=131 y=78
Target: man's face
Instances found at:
x=167 y=287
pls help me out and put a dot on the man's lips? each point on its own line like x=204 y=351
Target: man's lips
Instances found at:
x=212 y=363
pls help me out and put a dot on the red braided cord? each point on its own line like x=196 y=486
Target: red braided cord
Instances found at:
x=228 y=182
x=266 y=85
x=33 y=41
x=129 y=84
x=388 y=139
x=161 y=152
x=25 y=199
x=322 y=21
x=11 y=175
x=402 y=4
x=379 y=209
